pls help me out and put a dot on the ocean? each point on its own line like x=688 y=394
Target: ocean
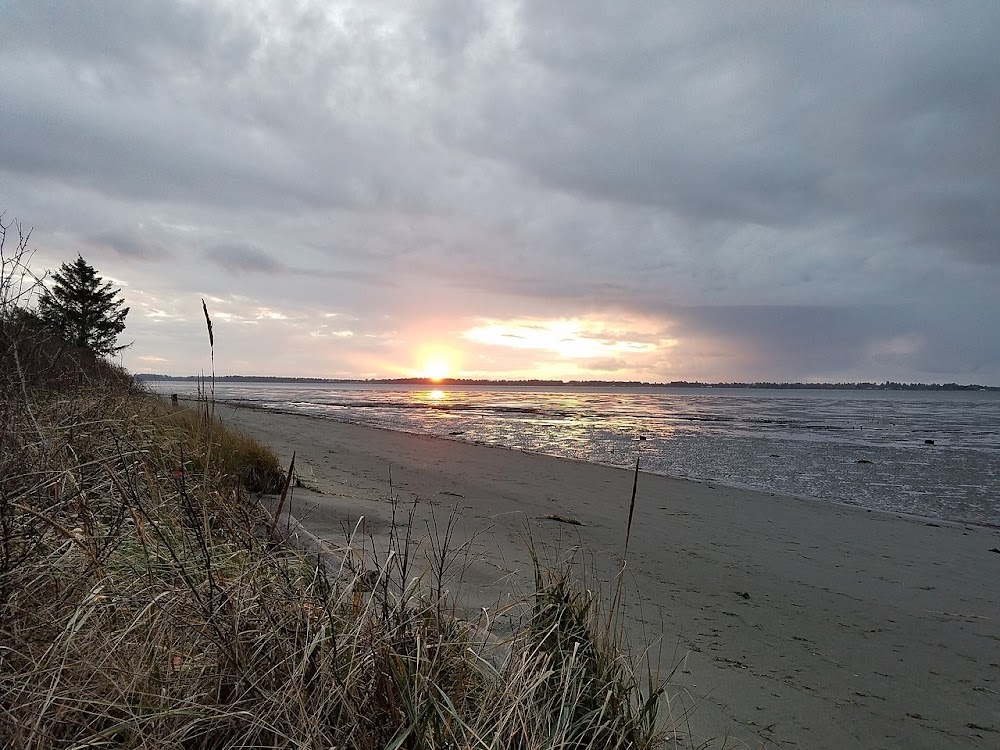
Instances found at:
x=929 y=454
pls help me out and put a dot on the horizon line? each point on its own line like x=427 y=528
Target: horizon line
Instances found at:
x=431 y=382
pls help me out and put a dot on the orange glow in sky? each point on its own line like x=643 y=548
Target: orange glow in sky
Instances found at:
x=616 y=347
x=437 y=362
x=437 y=369
x=574 y=338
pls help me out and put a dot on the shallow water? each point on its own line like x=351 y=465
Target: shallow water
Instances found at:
x=864 y=448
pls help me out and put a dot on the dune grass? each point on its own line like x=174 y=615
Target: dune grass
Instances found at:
x=143 y=603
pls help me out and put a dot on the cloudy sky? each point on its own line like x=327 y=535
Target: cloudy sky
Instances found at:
x=615 y=190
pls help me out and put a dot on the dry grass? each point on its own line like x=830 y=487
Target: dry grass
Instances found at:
x=143 y=604
x=234 y=455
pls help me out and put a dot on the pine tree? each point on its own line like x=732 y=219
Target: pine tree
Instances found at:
x=82 y=308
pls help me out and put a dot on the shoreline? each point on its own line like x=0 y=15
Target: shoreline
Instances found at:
x=718 y=483
x=793 y=622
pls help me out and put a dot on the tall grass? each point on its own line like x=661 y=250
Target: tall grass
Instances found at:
x=143 y=603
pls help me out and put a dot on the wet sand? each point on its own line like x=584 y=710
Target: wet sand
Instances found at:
x=791 y=623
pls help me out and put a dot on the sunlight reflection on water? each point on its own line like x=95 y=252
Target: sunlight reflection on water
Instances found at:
x=864 y=448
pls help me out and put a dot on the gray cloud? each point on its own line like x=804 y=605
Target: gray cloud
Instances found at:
x=131 y=244
x=244 y=259
x=767 y=116
x=792 y=191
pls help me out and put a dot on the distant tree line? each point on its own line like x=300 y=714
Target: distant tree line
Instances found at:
x=888 y=385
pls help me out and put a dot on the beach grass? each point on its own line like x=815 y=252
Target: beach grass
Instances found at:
x=145 y=603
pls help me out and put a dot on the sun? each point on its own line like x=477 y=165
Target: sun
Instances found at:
x=437 y=369
x=436 y=362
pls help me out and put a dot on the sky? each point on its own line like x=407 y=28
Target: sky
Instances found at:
x=656 y=191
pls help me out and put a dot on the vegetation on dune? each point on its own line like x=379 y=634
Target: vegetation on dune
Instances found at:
x=144 y=604
x=83 y=308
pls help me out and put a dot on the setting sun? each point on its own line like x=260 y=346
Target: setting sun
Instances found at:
x=437 y=369
x=437 y=362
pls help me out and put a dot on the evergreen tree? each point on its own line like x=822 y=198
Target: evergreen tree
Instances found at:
x=82 y=308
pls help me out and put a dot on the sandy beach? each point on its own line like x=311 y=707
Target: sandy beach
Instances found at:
x=791 y=623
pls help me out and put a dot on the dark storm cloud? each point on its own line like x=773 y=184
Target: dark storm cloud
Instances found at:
x=78 y=30
x=144 y=148
x=248 y=259
x=451 y=25
x=790 y=189
x=132 y=244
x=830 y=342
x=192 y=102
x=244 y=259
x=885 y=116
x=819 y=339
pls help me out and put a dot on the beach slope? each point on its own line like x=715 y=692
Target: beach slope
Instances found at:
x=791 y=623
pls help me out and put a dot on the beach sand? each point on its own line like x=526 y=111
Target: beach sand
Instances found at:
x=791 y=623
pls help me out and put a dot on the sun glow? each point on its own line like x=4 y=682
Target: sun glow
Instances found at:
x=437 y=369
x=437 y=363
x=570 y=338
